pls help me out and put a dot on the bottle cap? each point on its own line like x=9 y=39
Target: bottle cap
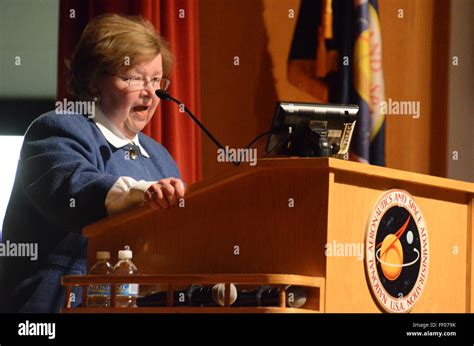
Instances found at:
x=103 y=255
x=125 y=254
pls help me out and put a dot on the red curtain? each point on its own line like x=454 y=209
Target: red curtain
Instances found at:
x=177 y=21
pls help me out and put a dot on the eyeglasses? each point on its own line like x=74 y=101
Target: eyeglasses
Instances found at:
x=136 y=83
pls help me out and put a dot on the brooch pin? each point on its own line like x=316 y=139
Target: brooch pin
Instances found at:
x=133 y=153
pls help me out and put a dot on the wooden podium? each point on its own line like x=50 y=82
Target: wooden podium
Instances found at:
x=277 y=217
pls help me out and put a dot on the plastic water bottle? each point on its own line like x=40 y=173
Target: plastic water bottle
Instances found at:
x=99 y=295
x=126 y=294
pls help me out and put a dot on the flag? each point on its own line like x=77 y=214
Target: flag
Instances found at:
x=344 y=39
x=368 y=143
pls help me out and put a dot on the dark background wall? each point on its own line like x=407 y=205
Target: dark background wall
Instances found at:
x=238 y=101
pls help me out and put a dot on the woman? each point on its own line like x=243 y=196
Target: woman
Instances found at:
x=76 y=169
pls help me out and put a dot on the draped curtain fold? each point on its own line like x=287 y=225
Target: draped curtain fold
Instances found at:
x=177 y=21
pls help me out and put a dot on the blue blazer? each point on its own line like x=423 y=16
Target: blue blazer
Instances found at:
x=65 y=171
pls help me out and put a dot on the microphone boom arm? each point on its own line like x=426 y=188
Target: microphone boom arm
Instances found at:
x=198 y=122
x=165 y=96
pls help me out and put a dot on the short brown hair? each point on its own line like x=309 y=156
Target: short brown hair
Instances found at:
x=113 y=43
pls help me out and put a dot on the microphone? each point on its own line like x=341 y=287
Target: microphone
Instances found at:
x=196 y=295
x=163 y=95
x=210 y=296
x=270 y=296
x=159 y=299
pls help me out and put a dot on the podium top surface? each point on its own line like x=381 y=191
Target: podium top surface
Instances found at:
x=360 y=168
x=338 y=165
x=330 y=165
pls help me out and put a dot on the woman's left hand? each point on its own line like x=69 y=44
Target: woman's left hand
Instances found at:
x=165 y=193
